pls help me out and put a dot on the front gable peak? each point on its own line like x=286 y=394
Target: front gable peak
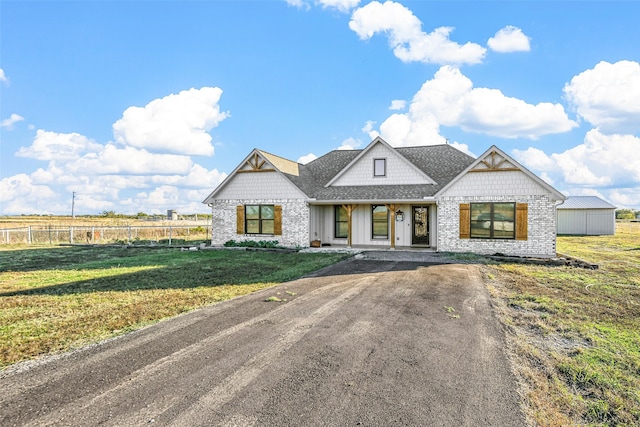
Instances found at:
x=255 y=163
x=379 y=164
x=494 y=160
x=261 y=161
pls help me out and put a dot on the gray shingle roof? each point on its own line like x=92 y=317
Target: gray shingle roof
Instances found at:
x=440 y=162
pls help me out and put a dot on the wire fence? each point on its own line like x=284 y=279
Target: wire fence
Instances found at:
x=131 y=235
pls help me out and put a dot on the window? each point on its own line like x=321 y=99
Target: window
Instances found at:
x=342 y=222
x=493 y=220
x=379 y=222
x=379 y=167
x=259 y=219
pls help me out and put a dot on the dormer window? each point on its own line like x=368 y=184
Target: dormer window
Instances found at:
x=379 y=167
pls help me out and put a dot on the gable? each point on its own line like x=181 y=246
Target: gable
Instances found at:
x=258 y=177
x=380 y=165
x=494 y=173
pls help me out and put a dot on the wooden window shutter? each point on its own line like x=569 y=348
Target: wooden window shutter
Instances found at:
x=522 y=219
x=465 y=221
x=239 y=219
x=277 y=220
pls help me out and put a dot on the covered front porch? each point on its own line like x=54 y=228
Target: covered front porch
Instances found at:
x=381 y=225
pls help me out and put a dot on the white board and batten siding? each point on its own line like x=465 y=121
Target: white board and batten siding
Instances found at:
x=322 y=219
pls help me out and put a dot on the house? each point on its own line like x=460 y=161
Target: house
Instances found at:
x=586 y=215
x=434 y=197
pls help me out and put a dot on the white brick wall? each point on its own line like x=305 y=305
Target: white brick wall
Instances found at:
x=295 y=222
x=499 y=187
x=541 y=236
x=399 y=170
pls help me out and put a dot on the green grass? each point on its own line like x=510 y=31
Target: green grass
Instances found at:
x=56 y=299
x=574 y=333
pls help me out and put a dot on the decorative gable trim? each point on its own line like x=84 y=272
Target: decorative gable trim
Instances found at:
x=496 y=160
x=493 y=161
x=256 y=163
x=364 y=152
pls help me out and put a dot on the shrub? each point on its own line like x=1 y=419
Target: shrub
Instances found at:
x=253 y=244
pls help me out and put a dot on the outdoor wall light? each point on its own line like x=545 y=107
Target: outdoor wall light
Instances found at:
x=399 y=216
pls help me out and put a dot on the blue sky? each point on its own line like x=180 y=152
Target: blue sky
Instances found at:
x=143 y=106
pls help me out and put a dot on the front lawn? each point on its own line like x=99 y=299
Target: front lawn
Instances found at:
x=574 y=334
x=60 y=298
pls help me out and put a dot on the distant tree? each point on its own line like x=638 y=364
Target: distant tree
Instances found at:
x=625 y=214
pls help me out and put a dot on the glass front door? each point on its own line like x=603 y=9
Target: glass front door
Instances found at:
x=420 y=215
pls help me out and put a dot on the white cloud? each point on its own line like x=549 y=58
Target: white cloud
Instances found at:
x=129 y=161
x=177 y=123
x=198 y=176
x=608 y=164
x=410 y=129
x=3 y=77
x=350 y=144
x=341 y=5
x=398 y=104
x=12 y=120
x=368 y=128
x=307 y=158
x=19 y=195
x=297 y=3
x=165 y=195
x=449 y=99
x=627 y=198
x=509 y=39
x=608 y=96
x=58 y=146
x=104 y=176
x=406 y=38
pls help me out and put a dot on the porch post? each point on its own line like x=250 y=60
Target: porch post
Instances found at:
x=393 y=208
x=350 y=209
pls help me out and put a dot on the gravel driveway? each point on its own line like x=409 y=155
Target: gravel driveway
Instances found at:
x=369 y=342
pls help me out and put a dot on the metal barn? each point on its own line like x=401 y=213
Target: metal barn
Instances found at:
x=586 y=215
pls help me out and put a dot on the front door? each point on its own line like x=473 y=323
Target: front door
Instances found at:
x=420 y=215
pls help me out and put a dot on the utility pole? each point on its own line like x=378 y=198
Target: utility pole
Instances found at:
x=73 y=204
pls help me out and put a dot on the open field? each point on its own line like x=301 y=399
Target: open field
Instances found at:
x=574 y=334
x=53 y=299
x=54 y=230
x=55 y=221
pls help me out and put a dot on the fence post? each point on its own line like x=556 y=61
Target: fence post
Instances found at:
x=29 y=235
x=93 y=235
x=71 y=235
x=129 y=240
x=170 y=230
x=50 y=234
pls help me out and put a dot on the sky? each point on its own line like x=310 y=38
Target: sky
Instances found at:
x=145 y=106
